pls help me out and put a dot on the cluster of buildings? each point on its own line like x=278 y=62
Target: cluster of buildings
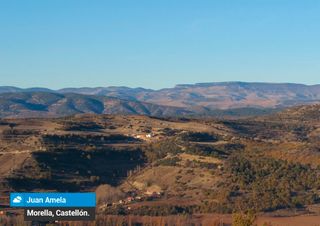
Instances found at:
x=133 y=197
x=143 y=136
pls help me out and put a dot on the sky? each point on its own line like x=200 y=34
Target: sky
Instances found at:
x=158 y=43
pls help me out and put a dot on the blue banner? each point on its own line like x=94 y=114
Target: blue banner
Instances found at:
x=49 y=199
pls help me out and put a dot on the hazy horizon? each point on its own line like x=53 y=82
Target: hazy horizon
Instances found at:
x=181 y=84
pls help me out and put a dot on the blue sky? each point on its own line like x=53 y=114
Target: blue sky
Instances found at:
x=156 y=44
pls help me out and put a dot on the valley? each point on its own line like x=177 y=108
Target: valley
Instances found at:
x=151 y=166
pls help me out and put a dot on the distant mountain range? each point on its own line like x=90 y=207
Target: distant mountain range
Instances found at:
x=225 y=98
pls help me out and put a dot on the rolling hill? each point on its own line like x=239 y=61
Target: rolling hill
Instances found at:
x=45 y=104
x=205 y=96
x=197 y=166
x=231 y=99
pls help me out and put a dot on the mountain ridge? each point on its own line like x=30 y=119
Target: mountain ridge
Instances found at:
x=44 y=104
x=184 y=99
x=149 y=89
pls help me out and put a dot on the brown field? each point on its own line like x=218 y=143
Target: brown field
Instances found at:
x=197 y=220
x=291 y=221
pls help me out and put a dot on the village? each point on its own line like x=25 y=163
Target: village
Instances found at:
x=132 y=197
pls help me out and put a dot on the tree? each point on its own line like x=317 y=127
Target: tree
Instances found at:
x=244 y=219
